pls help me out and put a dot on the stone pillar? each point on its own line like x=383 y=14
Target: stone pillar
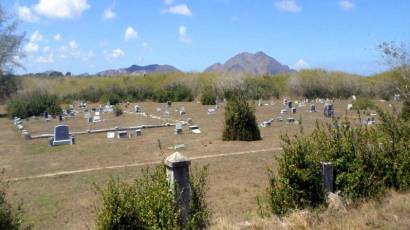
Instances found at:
x=178 y=179
x=327 y=176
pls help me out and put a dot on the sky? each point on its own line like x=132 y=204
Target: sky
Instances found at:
x=88 y=36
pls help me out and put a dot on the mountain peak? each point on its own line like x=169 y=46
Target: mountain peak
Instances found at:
x=258 y=63
x=137 y=70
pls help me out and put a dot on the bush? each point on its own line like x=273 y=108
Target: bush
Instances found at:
x=362 y=103
x=208 y=96
x=173 y=92
x=240 y=120
x=148 y=203
x=118 y=110
x=112 y=98
x=405 y=110
x=34 y=104
x=10 y=217
x=366 y=160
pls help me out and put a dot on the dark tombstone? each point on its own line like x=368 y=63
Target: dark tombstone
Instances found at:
x=61 y=132
x=293 y=110
x=289 y=104
x=312 y=108
x=122 y=134
x=60 y=118
x=327 y=176
x=169 y=103
x=328 y=110
x=46 y=115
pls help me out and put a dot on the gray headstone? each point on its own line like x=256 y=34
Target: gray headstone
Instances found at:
x=178 y=179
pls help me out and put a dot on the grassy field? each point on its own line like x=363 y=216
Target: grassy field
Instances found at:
x=69 y=201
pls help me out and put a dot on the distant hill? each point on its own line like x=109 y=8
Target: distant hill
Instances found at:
x=139 y=70
x=256 y=64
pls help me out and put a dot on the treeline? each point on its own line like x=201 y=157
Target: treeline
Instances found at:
x=203 y=86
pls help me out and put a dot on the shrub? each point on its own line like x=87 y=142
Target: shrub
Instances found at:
x=362 y=103
x=147 y=203
x=366 y=160
x=118 y=110
x=405 y=110
x=34 y=104
x=208 y=96
x=10 y=217
x=111 y=98
x=240 y=120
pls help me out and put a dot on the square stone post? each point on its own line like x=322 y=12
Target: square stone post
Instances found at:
x=177 y=167
x=327 y=176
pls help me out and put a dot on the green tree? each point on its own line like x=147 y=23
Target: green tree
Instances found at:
x=240 y=120
x=10 y=43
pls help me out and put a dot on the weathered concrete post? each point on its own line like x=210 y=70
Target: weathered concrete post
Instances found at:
x=327 y=176
x=178 y=178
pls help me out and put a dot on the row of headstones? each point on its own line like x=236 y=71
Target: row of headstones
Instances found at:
x=18 y=122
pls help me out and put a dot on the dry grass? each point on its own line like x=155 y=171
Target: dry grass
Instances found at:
x=393 y=212
x=68 y=202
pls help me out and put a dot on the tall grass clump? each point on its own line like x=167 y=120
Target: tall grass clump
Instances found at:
x=363 y=103
x=240 y=120
x=367 y=161
x=147 y=203
x=208 y=96
x=34 y=104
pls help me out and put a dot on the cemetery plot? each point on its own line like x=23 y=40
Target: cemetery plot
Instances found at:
x=22 y=158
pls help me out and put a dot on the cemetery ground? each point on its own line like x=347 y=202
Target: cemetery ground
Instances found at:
x=70 y=201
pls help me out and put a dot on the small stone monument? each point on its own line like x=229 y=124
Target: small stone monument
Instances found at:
x=327 y=176
x=177 y=167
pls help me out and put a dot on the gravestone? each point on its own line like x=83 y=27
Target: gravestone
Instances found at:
x=194 y=129
x=283 y=111
x=137 y=109
x=312 y=108
x=110 y=135
x=266 y=123
x=169 y=104
x=289 y=104
x=211 y=111
x=46 y=115
x=61 y=136
x=60 y=118
x=328 y=110
x=327 y=176
x=293 y=110
x=138 y=132
x=178 y=128
x=121 y=134
x=349 y=106
x=177 y=167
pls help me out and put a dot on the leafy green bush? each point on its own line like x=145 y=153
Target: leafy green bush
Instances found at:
x=34 y=104
x=405 y=110
x=366 y=160
x=240 y=120
x=362 y=103
x=173 y=92
x=147 y=203
x=112 y=98
x=208 y=96
x=10 y=217
x=117 y=110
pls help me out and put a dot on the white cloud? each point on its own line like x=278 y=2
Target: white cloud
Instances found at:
x=168 y=2
x=36 y=36
x=73 y=44
x=181 y=9
x=116 y=53
x=26 y=14
x=61 y=8
x=46 y=49
x=130 y=33
x=57 y=37
x=183 y=34
x=108 y=14
x=347 y=5
x=288 y=6
x=31 y=47
x=301 y=64
x=45 y=59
